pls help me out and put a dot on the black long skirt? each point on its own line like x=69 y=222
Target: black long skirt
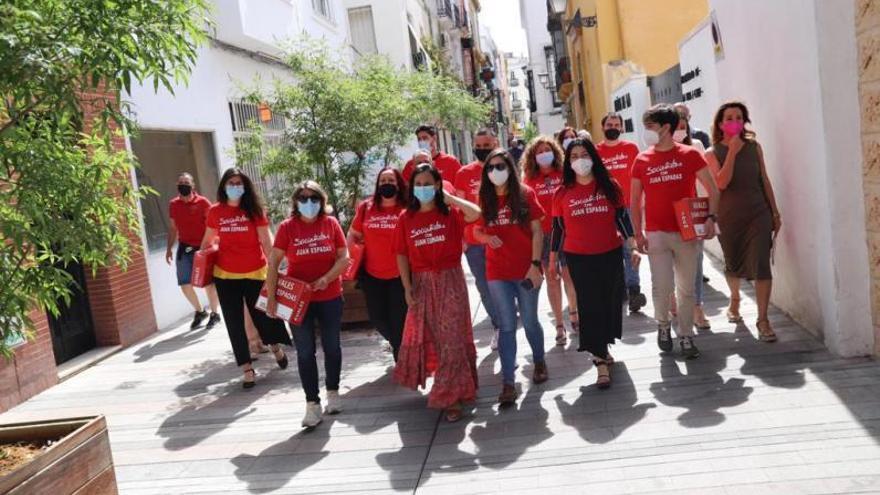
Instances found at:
x=598 y=281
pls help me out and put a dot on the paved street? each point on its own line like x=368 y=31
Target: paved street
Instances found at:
x=746 y=417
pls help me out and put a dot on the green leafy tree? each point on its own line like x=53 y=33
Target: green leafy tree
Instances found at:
x=341 y=120
x=65 y=191
x=530 y=132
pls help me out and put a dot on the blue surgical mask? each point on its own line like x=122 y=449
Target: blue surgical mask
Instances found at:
x=425 y=194
x=308 y=209
x=425 y=145
x=234 y=192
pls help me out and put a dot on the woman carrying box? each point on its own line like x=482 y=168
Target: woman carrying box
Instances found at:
x=238 y=219
x=438 y=338
x=374 y=225
x=314 y=245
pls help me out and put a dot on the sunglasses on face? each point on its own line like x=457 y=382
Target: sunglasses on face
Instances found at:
x=309 y=199
x=498 y=166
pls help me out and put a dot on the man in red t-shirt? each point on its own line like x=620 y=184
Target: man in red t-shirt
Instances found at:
x=663 y=174
x=188 y=213
x=467 y=186
x=618 y=156
x=447 y=165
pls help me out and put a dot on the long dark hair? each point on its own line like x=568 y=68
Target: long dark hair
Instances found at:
x=718 y=133
x=604 y=183
x=251 y=202
x=402 y=188
x=439 y=202
x=519 y=208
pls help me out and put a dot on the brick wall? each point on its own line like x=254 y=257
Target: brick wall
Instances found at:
x=120 y=301
x=868 y=34
x=31 y=370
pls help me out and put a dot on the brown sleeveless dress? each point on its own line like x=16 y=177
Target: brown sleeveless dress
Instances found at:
x=745 y=217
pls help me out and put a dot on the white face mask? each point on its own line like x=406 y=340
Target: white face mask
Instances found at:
x=566 y=142
x=651 y=137
x=680 y=135
x=582 y=166
x=545 y=159
x=499 y=177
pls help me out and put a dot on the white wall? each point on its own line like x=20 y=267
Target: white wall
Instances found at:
x=390 y=24
x=217 y=77
x=640 y=96
x=534 y=21
x=793 y=62
x=696 y=51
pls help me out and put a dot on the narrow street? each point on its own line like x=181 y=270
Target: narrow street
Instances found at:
x=746 y=417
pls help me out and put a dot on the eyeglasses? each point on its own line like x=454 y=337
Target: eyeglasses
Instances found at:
x=309 y=199
x=498 y=166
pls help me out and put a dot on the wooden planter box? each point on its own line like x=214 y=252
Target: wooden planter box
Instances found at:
x=354 y=311
x=80 y=463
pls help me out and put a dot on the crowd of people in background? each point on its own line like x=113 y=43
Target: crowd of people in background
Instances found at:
x=560 y=210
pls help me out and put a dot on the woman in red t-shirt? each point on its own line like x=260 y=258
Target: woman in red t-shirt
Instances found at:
x=239 y=220
x=314 y=246
x=437 y=338
x=542 y=171
x=510 y=227
x=590 y=224
x=374 y=225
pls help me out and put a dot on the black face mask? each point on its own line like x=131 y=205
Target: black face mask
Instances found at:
x=612 y=134
x=387 y=190
x=481 y=154
x=184 y=189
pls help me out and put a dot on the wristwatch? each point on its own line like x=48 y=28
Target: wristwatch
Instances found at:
x=712 y=216
x=536 y=263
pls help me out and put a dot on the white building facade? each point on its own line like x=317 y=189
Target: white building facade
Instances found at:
x=547 y=109
x=195 y=129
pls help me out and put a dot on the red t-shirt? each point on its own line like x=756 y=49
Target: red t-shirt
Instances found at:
x=545 y=186
x=468 y=180
x=589 y=219
x=666 y=177
x=619 y=161
x=310 y=249
x=240 y=249
x=431 y=240
x=512 y=260
x=447 y=165
x=378 y=228
x=189 y=217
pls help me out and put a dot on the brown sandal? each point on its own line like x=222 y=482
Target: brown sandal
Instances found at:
x=733 y=315
x=765 y=331
x=603 y=380
x=561 y=339
x=453 y=413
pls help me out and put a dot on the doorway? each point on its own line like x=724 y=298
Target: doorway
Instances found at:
x=73 y=332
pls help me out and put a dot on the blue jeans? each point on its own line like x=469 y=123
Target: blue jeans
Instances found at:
x=476 y=259
x=509 y=295
x=328 y=316
x=630 y=273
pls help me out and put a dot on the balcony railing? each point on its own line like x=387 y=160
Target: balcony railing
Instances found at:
x=449 y=9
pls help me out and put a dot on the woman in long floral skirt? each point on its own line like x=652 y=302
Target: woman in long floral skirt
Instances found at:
x=438 y=338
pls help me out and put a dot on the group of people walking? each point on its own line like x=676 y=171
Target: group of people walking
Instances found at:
x=578 y=213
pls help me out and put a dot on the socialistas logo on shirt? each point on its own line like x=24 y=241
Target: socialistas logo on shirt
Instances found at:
x=668 y=172
x=548 y=186
x=589 y=205
x=430 y=234
x=619 y=161
x=313 y=245
x=382 y=221
x=504 y=218
x=240 y=223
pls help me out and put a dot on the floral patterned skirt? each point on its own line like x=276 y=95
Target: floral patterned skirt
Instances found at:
x=438 y=340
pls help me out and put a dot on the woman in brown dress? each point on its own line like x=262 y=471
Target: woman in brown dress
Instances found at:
x=747 y=214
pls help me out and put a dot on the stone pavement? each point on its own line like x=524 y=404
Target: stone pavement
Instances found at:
x=745 y=417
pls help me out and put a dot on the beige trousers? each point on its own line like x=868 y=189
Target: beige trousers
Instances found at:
x=673 y=267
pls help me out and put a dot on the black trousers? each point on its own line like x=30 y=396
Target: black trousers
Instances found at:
x=386 y=305
x=598 y=281
x=234 y=295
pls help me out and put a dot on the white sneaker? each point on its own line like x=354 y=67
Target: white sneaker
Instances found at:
x=493 y=344
x=313 y=415
x=334 y=402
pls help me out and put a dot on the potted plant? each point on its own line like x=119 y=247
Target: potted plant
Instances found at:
x=59 y=457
